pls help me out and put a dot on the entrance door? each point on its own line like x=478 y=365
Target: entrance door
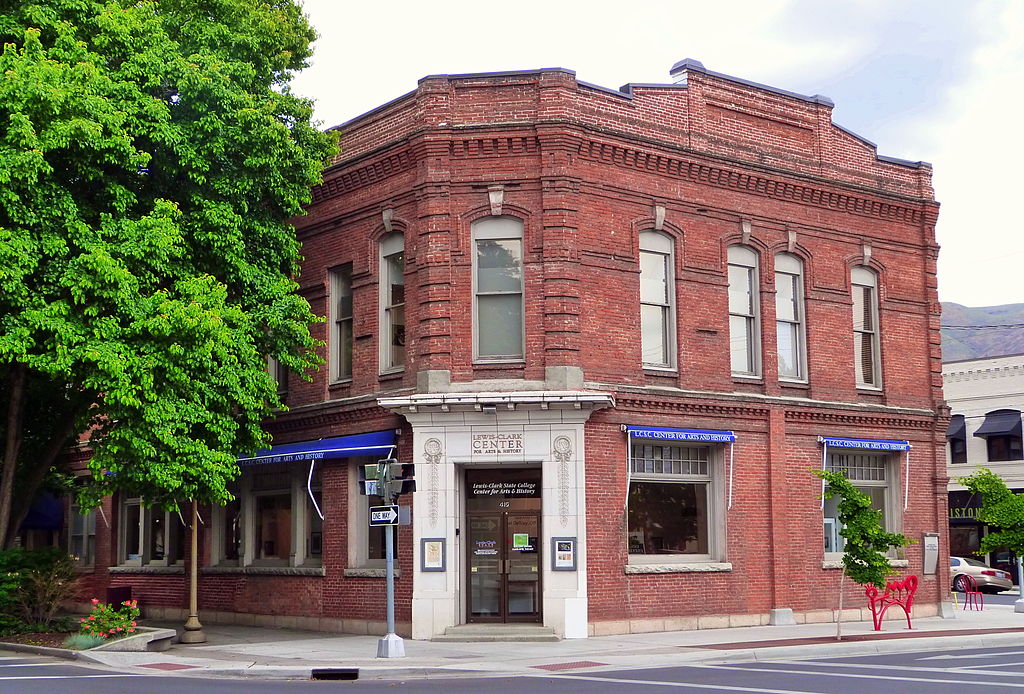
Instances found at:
x=503 y=517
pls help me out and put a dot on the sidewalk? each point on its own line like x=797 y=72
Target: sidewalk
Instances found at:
x=236 y=651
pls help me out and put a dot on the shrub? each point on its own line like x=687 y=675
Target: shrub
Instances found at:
x=83 y=642
x=109 y=622
x=33 y=584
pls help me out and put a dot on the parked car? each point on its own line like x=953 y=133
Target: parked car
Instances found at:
x=989 y=580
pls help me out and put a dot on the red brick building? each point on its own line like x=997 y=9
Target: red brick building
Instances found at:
x=615 y=331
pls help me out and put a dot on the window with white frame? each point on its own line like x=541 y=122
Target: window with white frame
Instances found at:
x=341 y=323
x=279 y=372
x=150 y=536
x=672 y=503
x=366 y=545
x=272 y=521
x=657 y=315
x=498 y=288
x=744 y=344
x=82 y=536
x=789 y=317
x=866 y=357
x=870 y=473
x=392 y=302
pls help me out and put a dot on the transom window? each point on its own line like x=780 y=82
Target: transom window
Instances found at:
x=744 y=345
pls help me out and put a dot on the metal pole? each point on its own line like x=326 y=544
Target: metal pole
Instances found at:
x=391 y=645
x=193 y=629
x=1019 y=605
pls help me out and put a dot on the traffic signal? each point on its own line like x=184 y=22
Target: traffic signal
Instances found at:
x=369 y=481
x=402 y=479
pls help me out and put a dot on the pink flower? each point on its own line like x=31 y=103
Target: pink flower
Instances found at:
x=130 y=630
x=91 y=617
x=86 y=626
x=95 y=601
x=134 y=624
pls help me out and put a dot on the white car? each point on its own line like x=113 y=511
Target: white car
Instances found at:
x=989 y=580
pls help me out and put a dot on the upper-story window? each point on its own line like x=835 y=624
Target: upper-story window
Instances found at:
x=865 y=327
x=956 y=434
x=744 y=347
x=498 y=288
x=789 y=317
x=1002 y=433
x=341 y=323
x=278 y=372
x=392 y=300
x=657 y=327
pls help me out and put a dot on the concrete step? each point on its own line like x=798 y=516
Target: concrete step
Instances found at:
x=470 y=633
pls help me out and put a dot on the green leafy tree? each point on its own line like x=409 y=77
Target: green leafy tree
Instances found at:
x=151 y=155
x=1001 y=509
x=867 y=543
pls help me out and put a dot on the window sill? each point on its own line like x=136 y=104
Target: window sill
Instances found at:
x=682 y=568
x=370 y=572
x=838 y=563
x=498 y=363
x=340 y=384
x=265 y=570
x=152 y=570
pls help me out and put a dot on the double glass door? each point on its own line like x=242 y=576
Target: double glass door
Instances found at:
x=503 y=519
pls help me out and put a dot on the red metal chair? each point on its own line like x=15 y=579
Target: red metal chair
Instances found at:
x=969 y=587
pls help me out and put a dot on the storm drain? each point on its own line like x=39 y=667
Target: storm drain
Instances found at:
x=335 y=673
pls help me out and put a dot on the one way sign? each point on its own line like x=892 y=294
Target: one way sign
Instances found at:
x=383 y=515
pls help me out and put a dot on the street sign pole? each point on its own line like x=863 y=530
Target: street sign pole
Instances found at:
x=391 y=645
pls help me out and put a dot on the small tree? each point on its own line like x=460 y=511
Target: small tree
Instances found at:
x=1000 y=509
x=865 y=558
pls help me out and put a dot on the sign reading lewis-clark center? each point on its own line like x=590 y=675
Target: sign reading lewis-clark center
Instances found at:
x=498 y=444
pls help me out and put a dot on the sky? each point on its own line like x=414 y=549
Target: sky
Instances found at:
x=939 y=81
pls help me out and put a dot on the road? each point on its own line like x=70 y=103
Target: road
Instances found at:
x=963 y=671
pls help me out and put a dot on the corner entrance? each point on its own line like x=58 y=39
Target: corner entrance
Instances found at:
x=503 y=517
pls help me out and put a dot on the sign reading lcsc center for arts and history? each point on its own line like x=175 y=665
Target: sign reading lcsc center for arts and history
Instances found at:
x=504 y=489
x=498 y=444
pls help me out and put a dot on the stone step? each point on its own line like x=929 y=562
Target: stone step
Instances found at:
x=469 y=633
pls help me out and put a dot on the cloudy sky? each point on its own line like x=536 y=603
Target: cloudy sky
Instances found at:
x=933 y=80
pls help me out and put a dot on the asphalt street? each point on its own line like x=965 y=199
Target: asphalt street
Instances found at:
x=928 y=672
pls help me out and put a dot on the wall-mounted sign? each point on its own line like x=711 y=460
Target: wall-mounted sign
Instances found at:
x=530 y=489
x=930 y=543
x=563 y=554
x=432 y=554
x=498 y=444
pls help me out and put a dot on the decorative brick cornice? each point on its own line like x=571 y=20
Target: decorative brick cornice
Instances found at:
x=627 y=403
x=327 y=416
x=372 y=172
x=832 y=417
x=745 y=181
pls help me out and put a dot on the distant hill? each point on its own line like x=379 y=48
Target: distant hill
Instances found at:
x=977 y=342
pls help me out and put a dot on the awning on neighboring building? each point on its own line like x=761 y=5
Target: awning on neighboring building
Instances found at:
x=1000 y=423
x=374 y=443
x=957 y=428
x=46 y=513
x=704 y=435
x=869 y=444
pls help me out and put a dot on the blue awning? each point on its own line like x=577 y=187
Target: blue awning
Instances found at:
x=1000 y=423
x=46 y=513
x=374 y=443
x=869 y=444
x=705 y=435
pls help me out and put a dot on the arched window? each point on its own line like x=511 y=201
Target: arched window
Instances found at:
x=865 y=327
x=744 y=345
x=657 y=300
x=789 y=317
x=498 y=288
x=392 y=302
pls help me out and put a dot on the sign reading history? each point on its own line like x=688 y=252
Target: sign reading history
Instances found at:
x=528 y=488
x=498 y=444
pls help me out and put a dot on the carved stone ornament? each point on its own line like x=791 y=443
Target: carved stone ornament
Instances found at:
x=562 y=451
x=432 y=452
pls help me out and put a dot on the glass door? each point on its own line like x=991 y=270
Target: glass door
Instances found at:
x=503 y=520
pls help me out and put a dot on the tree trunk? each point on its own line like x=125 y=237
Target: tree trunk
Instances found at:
x=12 y=446
x=27 y=492
x=839 y=617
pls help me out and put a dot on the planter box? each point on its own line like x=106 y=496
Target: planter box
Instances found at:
x=144 y=639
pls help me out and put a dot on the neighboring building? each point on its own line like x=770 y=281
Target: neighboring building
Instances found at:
x=985 y=397
x=615 y=331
